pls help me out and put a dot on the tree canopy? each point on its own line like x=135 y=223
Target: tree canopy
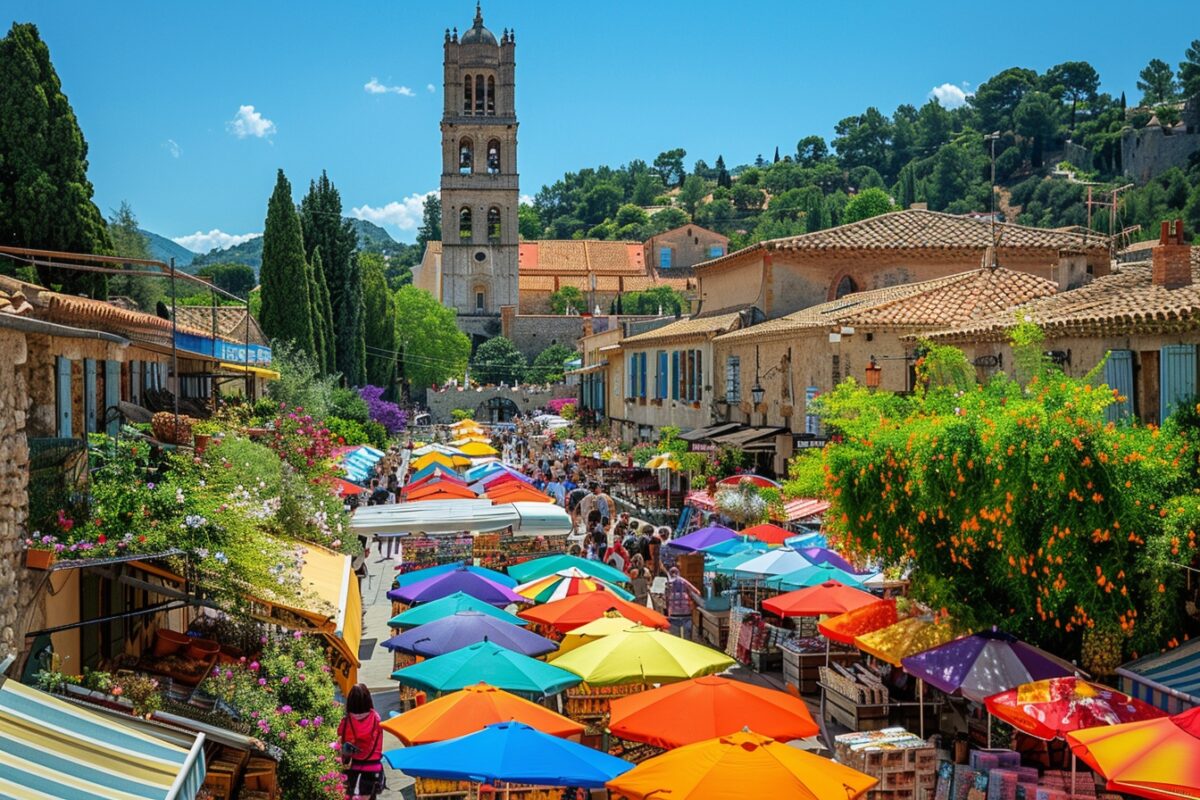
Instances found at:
x=286 y=305
x=430 y=347
x=498 y=361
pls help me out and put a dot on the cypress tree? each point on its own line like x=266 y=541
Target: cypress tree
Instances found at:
x=45 y=194
x=311 y=268
x=286 y=307
x=324 y=227
x=380 y=308
x=323 y=313
x=352 y=339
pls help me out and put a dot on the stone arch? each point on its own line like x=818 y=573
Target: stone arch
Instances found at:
x=497 y=409
x=465 y=226
x=493 y=156
x=466 y=155
x=493 y=225
x=468 y=92
x=843 y=284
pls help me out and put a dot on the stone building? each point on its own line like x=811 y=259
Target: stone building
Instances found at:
x=682 y=248
x=1142 y=322
x=600 y=270
x=780 y=276
x=1156 y=148
x=478 y=261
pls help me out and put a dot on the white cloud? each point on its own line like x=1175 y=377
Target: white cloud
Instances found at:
x=216 y=239
x=248 y=122
x=949 y=95
x=173 y=148
x=404 y=214
x=429 y=87
x=526 y=199
x=373 y=86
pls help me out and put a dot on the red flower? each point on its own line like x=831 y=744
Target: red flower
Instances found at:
x=101 y=539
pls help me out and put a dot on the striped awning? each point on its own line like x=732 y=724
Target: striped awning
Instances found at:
x=50 y=748
x=1170 y=680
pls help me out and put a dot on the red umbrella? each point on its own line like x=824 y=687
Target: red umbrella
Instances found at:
x=845 y=628
x=829 y=597
x=771 y=534
x=345 y=487
x=440 y=491
x=1056 y=706
x=757 y=480
x=434 y=476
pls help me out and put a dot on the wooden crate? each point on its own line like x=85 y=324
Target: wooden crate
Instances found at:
x=714 y=628
x=852 y=714
x=765 y=660
x=803 y=670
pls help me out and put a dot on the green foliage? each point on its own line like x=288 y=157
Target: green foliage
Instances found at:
x=867 y=203
x=529 y=222
x=498 y=361
x=129 y=241
x=430 y=346
x=694 y=189
x=286 y=305
x=459 y=414
x=300 y=384
x=806 y=475
x=324 y=227
x=1157 y=83
x=666 y=298
x=45 y=194
x=236 y=279
x=1189 y=70
x=380 y=311
x=548 y=367
x=566 y=300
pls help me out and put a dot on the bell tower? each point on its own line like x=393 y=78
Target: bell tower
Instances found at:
x=479 y=172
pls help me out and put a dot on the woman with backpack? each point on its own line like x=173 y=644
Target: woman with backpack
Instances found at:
x=361 y=738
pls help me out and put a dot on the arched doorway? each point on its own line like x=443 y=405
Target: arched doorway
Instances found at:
x=497 y=409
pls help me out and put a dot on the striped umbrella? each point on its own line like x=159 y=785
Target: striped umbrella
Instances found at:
x=565 y=583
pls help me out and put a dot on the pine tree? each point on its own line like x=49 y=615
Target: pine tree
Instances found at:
x=45 y=194
x=321 y=213
x=129 y=242
x=723 y=178
x=286 y=311
x=776 y=154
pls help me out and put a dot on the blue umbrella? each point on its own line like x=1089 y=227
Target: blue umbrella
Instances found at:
x=512 y=752
x=467 y=628
x=728 y=565
x=813 y=575
x=409 y=578
x=741 y=544
x=489 y=662
x=450 y=604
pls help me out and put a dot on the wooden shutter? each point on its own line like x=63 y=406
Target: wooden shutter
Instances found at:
x=1177 y=377
x=63 y=392
x=89 y=394
x=112 y=393
x=674 y=374
x=1118 y=375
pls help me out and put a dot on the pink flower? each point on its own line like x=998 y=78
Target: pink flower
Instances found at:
x=262 y=681
x=285 y=680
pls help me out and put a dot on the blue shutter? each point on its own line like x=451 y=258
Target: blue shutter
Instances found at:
x=1118 y=375
x=674 y=374
x=699 y=375
x=662 y=375
x=642 y=375
x=89 y=394
x=63 y=391
x=1177 y=368
x=664 y=258
x=112 y=393
x=135 y=382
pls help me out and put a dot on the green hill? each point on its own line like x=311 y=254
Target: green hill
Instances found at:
x=371 y=239
x=164 y=249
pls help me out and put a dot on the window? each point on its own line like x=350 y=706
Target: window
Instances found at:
x=845 y=286
x=466 y=156
x=716 y=251
x=660 y=375
x=464 y=224
x=479 y=306
x=633 y=375
x=493 y=156
x=675 y=374
x=493 y=225
x=468 y=91
x=491 y=95
x=1177 y=377
x=733 y=379
x=480 y=89
x=664 y=258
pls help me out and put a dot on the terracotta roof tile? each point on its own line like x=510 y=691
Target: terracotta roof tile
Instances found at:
x=952 y=300
x=686 y=328
x=1121 y=303
x=917 y=229
x=231 y=322
x=564 y=256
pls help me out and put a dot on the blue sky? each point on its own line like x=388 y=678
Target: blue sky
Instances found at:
x=189 y=108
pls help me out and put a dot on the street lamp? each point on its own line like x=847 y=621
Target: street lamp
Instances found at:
x=756 y=393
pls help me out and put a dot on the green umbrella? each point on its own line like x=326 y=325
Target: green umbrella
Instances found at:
x=489 y=662
x=729 y=564
x=448 y=606
x=813 y=576
x=548 y=565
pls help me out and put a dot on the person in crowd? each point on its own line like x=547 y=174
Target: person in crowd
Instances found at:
x=616 y=555
x=360 y=738
x=654 y=551
x=682 y=596
x=379 y=495
x=604 y=503
x=587 y=507
x=639 y=580
x=555 y=489
x=574 y=505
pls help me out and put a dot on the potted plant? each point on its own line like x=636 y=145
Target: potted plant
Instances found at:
x=39 y=558
x=202 y=432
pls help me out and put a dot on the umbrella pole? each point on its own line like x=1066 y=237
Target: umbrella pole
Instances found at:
x=921 y=703
x=989 y=730
x=1072 y=770
x=827 y=646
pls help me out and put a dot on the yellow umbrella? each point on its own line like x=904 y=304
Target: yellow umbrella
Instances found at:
x=664 y=461
x=641 y=655
x=466 y=424
x=477 y=449
x=440 y=458
x=584 y=634
x=459 y=442
x=905 y=638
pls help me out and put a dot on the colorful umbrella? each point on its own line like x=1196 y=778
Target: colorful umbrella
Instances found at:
x=571 y=612
x=740 y=765
x=1157 y=758
x=904 y=638
x=830 y=598
x=473 y=709
x=517 y=492
x=757 y=480
x=567 y=583
x=409 y=578
x=483 y=470
x=440 y=458
x=460 y=580
x=779 y=561
x=344 y=487
x=823 y=555
x=983 y=664
x=731 y=547
x=436 y=475
x=431 y=470
x=664 y=461
x=593 y=631
x=477 y=449
x=813 y=575
x=1056 y=706
x=440 y=490
x=548 y=565
x=466 y=628
x=771 y=534
x=642 y=655
x=702 y=538
x=437 y=448
x=513 y=752
x=684 y=713
x=468 y=439
x=501 y=668
x=729 y=565
x=446 y=606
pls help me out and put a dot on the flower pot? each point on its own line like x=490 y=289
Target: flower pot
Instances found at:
x=229 y=654
x=168 y=642
x=201 y=442
x=202 y=649
x=39 y=559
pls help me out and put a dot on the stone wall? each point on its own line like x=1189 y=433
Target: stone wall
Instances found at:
x=526 y=399
x=1149 y=152
x=534 y=333
x=17 y=584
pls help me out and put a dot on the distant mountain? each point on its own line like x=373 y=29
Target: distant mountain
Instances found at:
x=163 y=249
x=371 y=239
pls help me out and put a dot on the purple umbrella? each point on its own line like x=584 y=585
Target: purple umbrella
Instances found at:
x=459 y=580
x=984 y=664
x=823 y=555
x=466 y=628
x=705 y=537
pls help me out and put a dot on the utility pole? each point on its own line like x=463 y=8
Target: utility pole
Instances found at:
x=992 y=137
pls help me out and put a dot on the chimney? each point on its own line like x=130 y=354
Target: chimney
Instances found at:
x=1171 y=266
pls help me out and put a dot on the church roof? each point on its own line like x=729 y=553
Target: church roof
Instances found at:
x=581 y=256
x=478 y=34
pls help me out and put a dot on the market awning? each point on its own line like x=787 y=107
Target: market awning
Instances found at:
x=749 y=438
x=51 y=748
x=450 y=516
x=700 y=434
x=261 y=372
x=800 y=509
x=1170 y=680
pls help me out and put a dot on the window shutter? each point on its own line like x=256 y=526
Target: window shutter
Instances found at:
x=89 y=394
x=674 y=374
x=135 y=382
x=1177 y=370
x=1118 y=375
x=699 y=375
x=63 y=387
x=112 y=393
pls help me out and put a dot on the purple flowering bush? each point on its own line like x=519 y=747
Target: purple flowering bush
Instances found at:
x=385 y=412
x=285 y=698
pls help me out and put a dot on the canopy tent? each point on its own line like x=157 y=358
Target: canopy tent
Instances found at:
x=473 y=437
x=771 y=534
x=1158 y=758
x=566 y=583
x=445 y=606
x=728 y=565
x=514 y=492
x=547 y=565
x=698 y=540
x=477 y=449
x=1170 y=680
x=593 y=630
x=499 y=666
x=358 y=464
x=437 y=447
x=448 y=516
x=344 y=487
x=567 y=614
x=440 y=458
x=439 y=490
x=691 y=711
x=814 y=574
x=513 y=752
x=483 y=470
x=779 y=561
x=466 y=628
x=409 y=578
x=905 y=638
x=729 y=547
x=436 y=475
x=472 y=709
x=430 y=470
x=52 y=748
x=435 y=587
x=642 y=655
x=845 y=628
x=830 y=597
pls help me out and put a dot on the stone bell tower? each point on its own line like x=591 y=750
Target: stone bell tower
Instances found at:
x=479 y=174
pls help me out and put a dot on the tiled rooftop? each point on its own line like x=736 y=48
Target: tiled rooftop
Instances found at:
x=686 y=328
x=231 y=322
x=563 y=256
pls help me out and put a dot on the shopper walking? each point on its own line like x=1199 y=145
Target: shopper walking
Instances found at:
x=360 y=738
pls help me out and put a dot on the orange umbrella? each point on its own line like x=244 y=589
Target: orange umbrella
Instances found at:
x=741 y=765
x=771 y=534
x=580 y=609
x=830 y=597
x=514 y=492
x=1157 y=758
x=679 y=714
x=434 y=476
x=845 y=628
x=471 y=709
x=441 y=491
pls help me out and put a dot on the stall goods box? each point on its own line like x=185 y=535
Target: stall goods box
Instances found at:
x=803 y=670
x=994 y=759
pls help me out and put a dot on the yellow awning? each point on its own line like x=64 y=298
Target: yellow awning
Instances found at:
x=261 y=372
